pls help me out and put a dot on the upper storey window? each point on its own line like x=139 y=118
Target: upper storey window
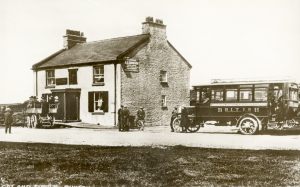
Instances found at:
x=50 y=78
x=98 y=74
x=163 y=76
x=73 y=76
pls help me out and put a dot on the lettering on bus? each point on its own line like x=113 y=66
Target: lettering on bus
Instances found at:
x=238 y=109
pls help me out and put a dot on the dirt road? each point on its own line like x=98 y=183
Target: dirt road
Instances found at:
x=213 y=137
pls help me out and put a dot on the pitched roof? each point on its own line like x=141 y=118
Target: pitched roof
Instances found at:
x=97 y=51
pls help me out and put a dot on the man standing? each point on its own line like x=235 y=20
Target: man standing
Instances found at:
x=8 y=120
x=174 y=115
x=120 y=118
x=141 y=116
x=125 y=119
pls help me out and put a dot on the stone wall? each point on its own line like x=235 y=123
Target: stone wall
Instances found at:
x=145 y=89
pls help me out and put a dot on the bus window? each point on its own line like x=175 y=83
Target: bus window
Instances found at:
x=246 y=92
x=197 y=96
x=217 y=94
x=205 y=95
x=293 y=92
x=231 y=93
x=260 y=94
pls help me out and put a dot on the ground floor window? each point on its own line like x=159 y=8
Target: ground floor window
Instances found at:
x=98 y=101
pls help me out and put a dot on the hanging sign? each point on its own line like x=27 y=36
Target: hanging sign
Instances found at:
x=131 y=65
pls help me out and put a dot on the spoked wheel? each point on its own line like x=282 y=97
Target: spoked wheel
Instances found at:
x=291 y=123
x=176 y=125
x=248 y=126
x=193 y=127
x=28 y=121
x=34 y=121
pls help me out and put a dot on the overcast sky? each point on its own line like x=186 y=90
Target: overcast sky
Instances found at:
x=219 y=38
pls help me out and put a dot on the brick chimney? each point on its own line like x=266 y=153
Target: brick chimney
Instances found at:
x=72 y=38
x=156 y=29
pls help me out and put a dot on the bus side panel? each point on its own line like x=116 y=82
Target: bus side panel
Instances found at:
x=228 y=113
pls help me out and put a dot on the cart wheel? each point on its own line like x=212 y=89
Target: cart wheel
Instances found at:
x=28 y=121
x=248 y=126
x=176 y=125
x=34 y=121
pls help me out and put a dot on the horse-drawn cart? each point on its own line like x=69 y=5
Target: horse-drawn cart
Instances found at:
x=41 y=113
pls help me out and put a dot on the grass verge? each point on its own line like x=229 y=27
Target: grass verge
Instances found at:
x=56 y=164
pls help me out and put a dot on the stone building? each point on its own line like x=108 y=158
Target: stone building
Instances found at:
x=92 y=79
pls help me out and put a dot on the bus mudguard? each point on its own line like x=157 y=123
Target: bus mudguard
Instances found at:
x=250 y=115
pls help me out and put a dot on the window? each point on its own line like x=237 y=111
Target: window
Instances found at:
x=73 y=76
x=205 y=95
x=217 y=94
x=98 y=101
x=50 y=78
x=163 y=76
x=246 y=93
x=99 y=74
x=293 y=94
x=231 y=93
x=261 y=93
x=164 y=101
x=198 y=96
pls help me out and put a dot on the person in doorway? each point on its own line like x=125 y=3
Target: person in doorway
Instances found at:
x=120 y=118
x=174 y=115
x=125 y=119
x=141 y=117
x=8 y=120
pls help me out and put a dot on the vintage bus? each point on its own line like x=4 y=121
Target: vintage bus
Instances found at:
x=250 y=105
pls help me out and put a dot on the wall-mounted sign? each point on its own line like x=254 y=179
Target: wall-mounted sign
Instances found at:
x=131 y=65
x=61 y=81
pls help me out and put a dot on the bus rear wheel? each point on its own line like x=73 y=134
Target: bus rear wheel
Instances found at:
x=248 y=126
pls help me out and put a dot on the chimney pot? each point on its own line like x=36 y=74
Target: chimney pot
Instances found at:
x=159 y=21
x=149 y=19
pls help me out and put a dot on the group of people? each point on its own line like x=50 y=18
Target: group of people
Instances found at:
x=123 y=118
x=8 y=119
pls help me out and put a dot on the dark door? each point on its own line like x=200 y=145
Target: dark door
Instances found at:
x=68 y=107
x=72 y=108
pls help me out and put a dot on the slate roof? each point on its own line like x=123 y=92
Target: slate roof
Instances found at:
x=97 y=51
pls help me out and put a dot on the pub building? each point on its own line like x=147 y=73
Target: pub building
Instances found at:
x=93 y=79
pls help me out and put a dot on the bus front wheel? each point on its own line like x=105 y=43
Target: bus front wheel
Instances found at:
x=248 y=126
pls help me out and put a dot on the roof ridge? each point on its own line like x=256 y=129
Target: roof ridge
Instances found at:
x=112 y=39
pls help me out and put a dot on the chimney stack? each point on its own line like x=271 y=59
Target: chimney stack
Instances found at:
x=73 y=37
x=156 y=29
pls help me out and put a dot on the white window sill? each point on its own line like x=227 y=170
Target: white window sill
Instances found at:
x=98 y=84
x=98 y=113
x=50 y=86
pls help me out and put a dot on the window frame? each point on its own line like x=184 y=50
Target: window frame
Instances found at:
x=163 y=100
x=163 y=76
x=94 y=75
x=92 y=102
x=53 y=77
x=70 y=73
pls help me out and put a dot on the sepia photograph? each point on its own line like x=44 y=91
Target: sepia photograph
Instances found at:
x=149 y=93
